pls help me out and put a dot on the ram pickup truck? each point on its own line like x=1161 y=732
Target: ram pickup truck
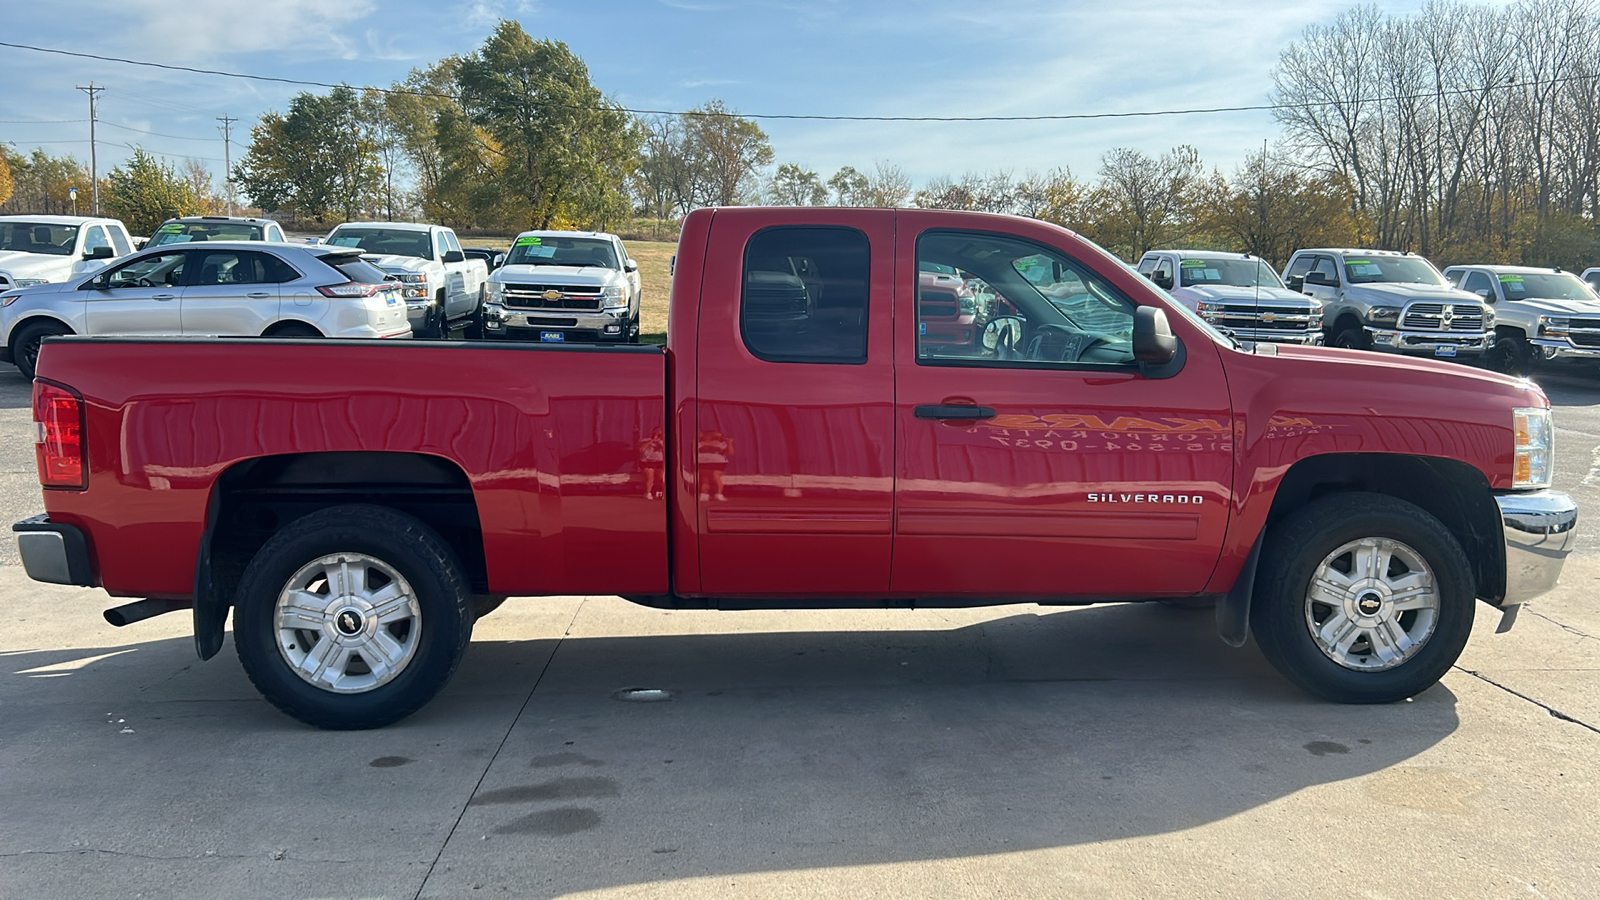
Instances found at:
x=1540 y=314
x=356 y=505
x=1389 y=301
x=49 y=249
x=443 y=287
x=558 y=286
x=1235 y=292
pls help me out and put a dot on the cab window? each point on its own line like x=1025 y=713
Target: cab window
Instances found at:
x=159 y=270
x=992 y=300
x=804 y=295
x=1477 y=281
x=95 y=238
x=119 y=242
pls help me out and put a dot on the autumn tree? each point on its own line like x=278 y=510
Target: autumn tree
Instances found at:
x=145 y=191
x=1270 y=207
x=849 y=187
x=1055 y=196
x=1145 y=201
x=41 y=183
x=887 y=187
x=314 y=161
x=729 y=152
x=6 y=185
x=793 y=185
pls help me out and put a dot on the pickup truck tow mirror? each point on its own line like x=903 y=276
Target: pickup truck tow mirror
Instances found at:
x=1161 y=281
x=1295 y=282
x=99 y=253
x=1318 y=278
x=1153 y=342
x=1485 y=294
x=451 y=256
x=630 y=266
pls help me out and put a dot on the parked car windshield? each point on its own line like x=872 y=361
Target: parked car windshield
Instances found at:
x=561 y=251
x=37 y=237
x=186 y=232
x=385 y=241
x=1553 y=286
x=1230 y=272
x=1392 y=269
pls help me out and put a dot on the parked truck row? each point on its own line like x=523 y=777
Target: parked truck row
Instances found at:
x=855 y=407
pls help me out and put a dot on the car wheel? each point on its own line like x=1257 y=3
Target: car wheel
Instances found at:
x=1362 y=598
x=352 y=617
x=1510 y=353
x=25 y=346
x=1352 y=338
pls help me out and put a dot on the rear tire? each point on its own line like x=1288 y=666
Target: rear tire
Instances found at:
x=352 y=617
x=1362 y=598
x=25 y=346
x=1353 y=337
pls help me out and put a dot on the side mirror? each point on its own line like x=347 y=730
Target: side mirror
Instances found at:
x=1319 y=279
x=1485 y=293
x=1295 y=282
x=1152 y=336
x=451 y=256
x=1161 y=281
x=630 y=266
x=99 y=253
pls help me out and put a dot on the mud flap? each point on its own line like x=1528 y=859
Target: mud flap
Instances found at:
x=1233 y=610
x=210 y=611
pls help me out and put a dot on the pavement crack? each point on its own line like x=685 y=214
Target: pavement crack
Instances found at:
x=478 y=785
x=1561 y=625
x=1555 y=713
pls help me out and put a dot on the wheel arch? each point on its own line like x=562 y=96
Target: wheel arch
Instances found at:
x=282 y=325
x=34 y=318
x=255 y=498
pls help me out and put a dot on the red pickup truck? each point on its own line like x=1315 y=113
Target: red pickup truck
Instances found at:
x=358 y=504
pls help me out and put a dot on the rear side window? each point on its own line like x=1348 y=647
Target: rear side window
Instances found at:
x=804 y=296
x=119 y=242
x=356 y=269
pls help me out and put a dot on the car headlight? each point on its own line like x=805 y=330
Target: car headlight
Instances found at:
x=1210 y=310
x=412 y=277
x=497 y=292
x=1384 y=314
x=30 y=282
x=1554 y=326
x=1488 y=319
x=613 y=296
x=1535 y=455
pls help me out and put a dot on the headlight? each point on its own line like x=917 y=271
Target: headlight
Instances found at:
x=1535 y=437
x=1384 y=314
x=497 y=292
x=615 y=295
x=1210 y=310
x=411 y=277
x=1554 y=326
x=30 y=282
x=1488 y=319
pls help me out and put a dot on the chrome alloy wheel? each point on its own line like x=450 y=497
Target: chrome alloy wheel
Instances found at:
x=1372 y=604
x=348 y=623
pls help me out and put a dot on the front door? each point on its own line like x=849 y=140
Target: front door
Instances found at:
x=232 y=292
x=794 y=444
x=1036 y=459
x=138 y=297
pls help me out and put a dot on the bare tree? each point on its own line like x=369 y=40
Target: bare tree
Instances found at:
x=1146 y=201
x=887 y=186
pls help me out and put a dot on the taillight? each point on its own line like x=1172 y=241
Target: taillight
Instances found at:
x=58 y=436
x=352 y=289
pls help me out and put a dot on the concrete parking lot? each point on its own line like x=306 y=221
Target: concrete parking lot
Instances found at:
x=1110 y=751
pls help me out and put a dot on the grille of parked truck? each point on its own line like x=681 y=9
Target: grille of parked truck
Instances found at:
x=1235 y=292
x=1389 y=301
x=356 y=506
x=558 y=286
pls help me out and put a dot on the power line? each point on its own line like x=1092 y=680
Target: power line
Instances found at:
x=1134 y=114
x=177 y=137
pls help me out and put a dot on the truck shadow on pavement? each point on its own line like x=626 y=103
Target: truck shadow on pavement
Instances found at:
x=776 y=751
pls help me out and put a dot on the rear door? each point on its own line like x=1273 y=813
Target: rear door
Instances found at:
x=140 y=297
x=232 y=292
x=794 y=426
x=1040 y=461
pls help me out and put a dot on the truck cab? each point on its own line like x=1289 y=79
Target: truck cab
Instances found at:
x=1540 y=314
x=1236 y=292
x=50 y=249
x=1392 y=302
x=443 y=287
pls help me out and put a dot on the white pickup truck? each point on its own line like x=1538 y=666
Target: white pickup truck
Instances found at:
x=558 y=286
x=1540 y=314
x=47 y=249
x=443 y=287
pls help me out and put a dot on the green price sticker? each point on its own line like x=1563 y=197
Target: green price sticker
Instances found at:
x=1510 y=279
x=1358 y=262
x=170 y=229
x=529 y=242
x=1193 y=264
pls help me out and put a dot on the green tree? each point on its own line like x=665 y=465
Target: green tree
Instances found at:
x=146 y=192
x=314 y=161
x=793 y=185
x=849 y=187
x=563 y=151
x=731 y=151
x=6 y=185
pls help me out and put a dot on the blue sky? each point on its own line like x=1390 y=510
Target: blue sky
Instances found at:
x=942 y=57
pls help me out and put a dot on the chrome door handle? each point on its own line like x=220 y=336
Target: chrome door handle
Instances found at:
x=163 y=296
x=258 y=295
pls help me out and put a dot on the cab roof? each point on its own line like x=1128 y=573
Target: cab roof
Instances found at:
x=1515 y=270
x=60 y=220
x=1348 y=251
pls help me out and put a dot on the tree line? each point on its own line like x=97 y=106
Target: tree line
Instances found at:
x=1462 y=132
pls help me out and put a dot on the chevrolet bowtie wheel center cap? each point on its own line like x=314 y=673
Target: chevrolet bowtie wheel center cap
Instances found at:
x=349 y=622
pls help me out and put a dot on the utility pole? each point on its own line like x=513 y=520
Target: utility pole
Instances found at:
x=94 y=168
x=227 y=157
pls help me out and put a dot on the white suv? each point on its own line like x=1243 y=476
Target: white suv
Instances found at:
x=232 y=288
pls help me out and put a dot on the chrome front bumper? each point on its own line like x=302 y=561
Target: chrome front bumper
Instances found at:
x=1268 y=335
x=607 y=322
x=1427 y=342
x=1553 y=349
x=1540 y=529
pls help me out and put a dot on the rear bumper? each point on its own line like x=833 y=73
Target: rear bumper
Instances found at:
x=53 y=553
x=1540 y=529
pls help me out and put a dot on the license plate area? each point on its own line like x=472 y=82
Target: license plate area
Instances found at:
x=1446 y=350
x=556 y=337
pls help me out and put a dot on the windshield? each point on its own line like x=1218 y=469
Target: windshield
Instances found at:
x=37 y=237
x=1391 y=269
x=385 y=241
x=185 y=232
x=1231 y=272
x=1545 y=287
x=545 y=250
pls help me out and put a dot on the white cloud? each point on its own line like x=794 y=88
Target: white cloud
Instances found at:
x=186 y=34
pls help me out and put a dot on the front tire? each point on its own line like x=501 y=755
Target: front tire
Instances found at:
x=1353 y=337
x=1510 y=354
x=1362 y=598
x=352 y=617
x=30 y=337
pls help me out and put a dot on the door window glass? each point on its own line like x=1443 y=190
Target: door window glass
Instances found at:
x=230 y=267
x=985 y=299
x=1324 y=266
x=1477 y=281
x=159 y=270
x=805 y=295
x=119 y=242
x=1163 y=272
x=440 y=245
x=95 y=238
x=451 y=242
x=1301 y=265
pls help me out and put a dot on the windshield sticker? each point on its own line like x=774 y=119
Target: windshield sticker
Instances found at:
x=1193 y=264
x=1364 y=270
x=527 y=252
x=1358 y=262
x=174 y=228
x=1510 y=279
x=346 y=242
x=528 y=242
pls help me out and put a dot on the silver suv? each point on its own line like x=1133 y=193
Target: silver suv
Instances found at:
x=232 y=288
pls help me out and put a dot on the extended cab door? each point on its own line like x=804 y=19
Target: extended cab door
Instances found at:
x=794 y=426
x=1038 y=459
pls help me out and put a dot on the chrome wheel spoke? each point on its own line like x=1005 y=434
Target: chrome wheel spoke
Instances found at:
x=1389 y=641
x=1368 y=604
x=325 y=654
x=303 y=610
x=349 y=580
x=351 y=620
x=391 y=605
x=1329 y=592
x=1339 y=631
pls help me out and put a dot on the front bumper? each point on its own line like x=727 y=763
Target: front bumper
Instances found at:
x=1540 y=529
x=1429 y=343
x=1553 y=349
x=53 y=553
x=1268 y=335
x=528 y=324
